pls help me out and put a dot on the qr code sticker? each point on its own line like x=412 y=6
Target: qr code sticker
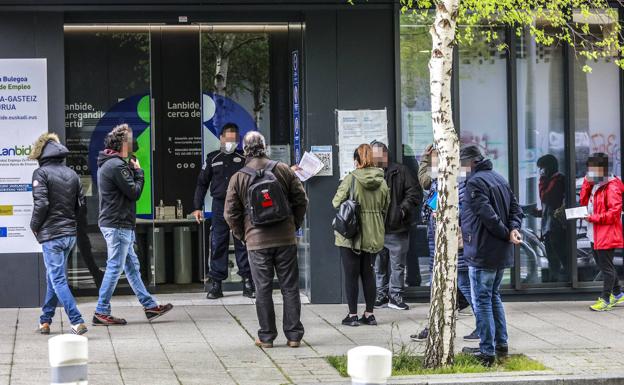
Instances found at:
x=325 y=155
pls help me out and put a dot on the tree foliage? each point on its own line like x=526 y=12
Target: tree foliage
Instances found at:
x=589 y=27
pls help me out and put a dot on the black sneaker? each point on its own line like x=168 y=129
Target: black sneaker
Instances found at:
x=397 y=304
x=483 y=359
x=502 y=350
x=351 y=321
x=249 y=289
x=107 y=320
x=157 y=311
x=370 y=320
x=472 y=337
x=215 y=291
x=381 y=302
x=422 y=336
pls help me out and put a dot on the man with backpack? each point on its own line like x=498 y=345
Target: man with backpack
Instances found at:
x=264 y=207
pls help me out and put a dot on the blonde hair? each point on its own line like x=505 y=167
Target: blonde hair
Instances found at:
x=363 y=155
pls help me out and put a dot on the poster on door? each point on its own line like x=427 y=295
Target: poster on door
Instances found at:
x=356 y=127
x=23 y=117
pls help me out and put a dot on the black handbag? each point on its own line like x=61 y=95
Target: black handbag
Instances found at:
x=347 y=220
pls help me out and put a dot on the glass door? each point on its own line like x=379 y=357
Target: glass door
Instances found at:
x=108 y=82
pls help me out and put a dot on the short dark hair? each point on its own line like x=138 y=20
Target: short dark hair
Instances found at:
x=548 y=161
x=599 y=159
x=117 y=137
x=375 y=143
x=471 y=152
x=230 y=127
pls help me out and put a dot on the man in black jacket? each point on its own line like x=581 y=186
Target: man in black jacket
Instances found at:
x=217 y=172
x=120 y=185
x=490 y=221
x=405 y=196
x=57 y=196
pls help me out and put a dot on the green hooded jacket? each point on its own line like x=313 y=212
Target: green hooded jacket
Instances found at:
x=371 y=192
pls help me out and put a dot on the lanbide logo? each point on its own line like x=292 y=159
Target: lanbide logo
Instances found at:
x=16 y=151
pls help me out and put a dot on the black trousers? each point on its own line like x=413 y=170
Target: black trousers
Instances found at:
x=610 y=281
x=85 y=248
x=264 y=265
x=219 y=244
x=358 y=266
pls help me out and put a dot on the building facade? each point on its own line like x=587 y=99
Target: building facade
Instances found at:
x=177 y=72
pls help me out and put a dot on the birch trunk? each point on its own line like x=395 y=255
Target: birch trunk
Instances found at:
x=439 y=348
x=222 y=64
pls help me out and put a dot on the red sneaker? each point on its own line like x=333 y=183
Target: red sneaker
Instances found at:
x=157 y=311
x=107 y=320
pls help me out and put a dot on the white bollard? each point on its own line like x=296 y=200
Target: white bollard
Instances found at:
x=369 y=365
x=69 y=355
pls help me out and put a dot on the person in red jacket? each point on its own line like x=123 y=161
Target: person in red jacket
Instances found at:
x=602 y=194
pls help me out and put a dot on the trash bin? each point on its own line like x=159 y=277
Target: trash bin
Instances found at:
x=160 y=273
x=182 y=253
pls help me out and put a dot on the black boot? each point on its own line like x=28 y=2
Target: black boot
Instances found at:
x=249 y=289
x=215 y=292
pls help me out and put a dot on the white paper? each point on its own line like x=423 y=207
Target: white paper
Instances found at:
x=357 y=127
x=576 y=212
x=309 y=166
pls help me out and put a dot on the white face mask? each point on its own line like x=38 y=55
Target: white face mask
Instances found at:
x=229 y=147
x=434 y=173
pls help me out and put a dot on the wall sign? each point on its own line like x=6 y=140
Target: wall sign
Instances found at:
x=296 y=106
x=23 y=117
x=357 y=127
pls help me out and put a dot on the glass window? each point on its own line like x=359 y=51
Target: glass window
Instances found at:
x=541 y=150
x=597 y=129
x=416 y=131
x=107 y=73
x=483 y=106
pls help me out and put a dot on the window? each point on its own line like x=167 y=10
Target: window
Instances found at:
x=541 y=145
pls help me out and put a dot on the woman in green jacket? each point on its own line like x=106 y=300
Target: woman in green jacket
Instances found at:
x=358 y=254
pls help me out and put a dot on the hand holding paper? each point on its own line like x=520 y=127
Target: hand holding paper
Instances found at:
x=309 y=166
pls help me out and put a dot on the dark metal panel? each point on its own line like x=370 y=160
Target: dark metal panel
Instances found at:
x=32 y=35
x=321 y=98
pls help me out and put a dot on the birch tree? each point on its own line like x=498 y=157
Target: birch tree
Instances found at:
x=589 y=27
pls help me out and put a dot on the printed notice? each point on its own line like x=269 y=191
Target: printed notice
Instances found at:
x=576 y=212
x=357 y=127
x=23 y=117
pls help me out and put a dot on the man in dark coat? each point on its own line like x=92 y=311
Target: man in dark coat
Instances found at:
x=220 y=167
x=490 y=222
x=405 y=196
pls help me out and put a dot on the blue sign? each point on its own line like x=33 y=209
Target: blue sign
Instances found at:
x=296 y=109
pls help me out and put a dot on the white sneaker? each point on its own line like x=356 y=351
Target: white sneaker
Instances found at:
x=79 y=329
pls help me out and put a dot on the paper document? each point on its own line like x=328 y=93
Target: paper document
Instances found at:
x=576 y=212
x=309 y=166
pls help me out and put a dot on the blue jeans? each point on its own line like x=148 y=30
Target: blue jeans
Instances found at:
x=463 y=284
x=55 y=254
x=121 y=256
x=488 y=308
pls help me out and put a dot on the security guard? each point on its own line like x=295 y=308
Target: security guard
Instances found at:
x=219 y=167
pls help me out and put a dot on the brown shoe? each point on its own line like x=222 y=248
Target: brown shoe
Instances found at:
x=44 y=328
x=263 y=345
x=293 y=344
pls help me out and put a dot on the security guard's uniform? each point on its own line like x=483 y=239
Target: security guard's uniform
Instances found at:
x=216 y=173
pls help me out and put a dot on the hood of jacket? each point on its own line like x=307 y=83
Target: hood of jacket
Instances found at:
x=482 y=165
x=53 y=152
x=106 y=155
x=370 y=177
x=48 y=146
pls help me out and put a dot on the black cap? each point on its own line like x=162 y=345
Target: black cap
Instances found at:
x=470 y=153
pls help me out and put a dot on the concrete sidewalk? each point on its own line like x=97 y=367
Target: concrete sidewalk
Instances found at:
x=202 y=342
